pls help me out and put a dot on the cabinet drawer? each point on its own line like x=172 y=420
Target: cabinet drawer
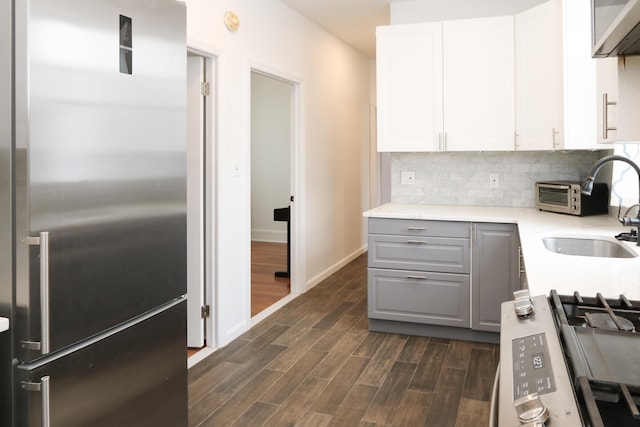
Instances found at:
x=419 y=297
x=417 y=227
x=419 y=253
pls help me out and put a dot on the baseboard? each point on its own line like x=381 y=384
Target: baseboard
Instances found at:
x=337 y=266
x=273 y=236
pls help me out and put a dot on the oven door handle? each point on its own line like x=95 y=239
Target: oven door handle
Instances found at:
x=493 y=411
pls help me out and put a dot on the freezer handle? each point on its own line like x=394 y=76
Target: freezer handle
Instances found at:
x=43 y=388
x=46 y=419
x=43 y=241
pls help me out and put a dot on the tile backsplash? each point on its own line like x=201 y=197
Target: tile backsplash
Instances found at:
x=462 y=178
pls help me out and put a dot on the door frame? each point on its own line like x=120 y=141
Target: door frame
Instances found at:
x=210 y=197
x=297 y=273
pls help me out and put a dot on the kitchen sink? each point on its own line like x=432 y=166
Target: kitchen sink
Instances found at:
x=588 y=246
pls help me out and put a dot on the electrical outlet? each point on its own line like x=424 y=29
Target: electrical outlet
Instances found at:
x=407 y=177
x=494 y=181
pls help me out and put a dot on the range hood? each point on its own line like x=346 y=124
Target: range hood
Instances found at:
x=615 y=26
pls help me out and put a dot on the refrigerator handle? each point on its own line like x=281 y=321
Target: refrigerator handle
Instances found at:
x=43 y=388
x=43 y=241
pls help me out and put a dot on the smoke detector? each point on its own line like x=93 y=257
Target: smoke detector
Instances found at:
x=231 y=21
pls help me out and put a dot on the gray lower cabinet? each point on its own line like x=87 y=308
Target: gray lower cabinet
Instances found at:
x=495 y=272
x=419 y=297
x=440 y=273
x=419 y=271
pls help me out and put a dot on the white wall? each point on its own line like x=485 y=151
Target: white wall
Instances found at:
x=334 y=137
x=270 y=156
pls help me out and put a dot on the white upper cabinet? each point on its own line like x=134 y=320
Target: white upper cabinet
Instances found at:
x=539 y=122
x=578 y=77
x=446 y=86
x=478 y=75
x=524 y=82
x=409 y=87
x=556 y=101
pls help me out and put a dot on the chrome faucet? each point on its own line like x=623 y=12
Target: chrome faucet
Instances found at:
x=587 y=188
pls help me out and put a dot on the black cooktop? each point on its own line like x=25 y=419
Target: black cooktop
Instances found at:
x=601 y=344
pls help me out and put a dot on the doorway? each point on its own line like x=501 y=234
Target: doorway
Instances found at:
x=200 y=204
x=271 y=189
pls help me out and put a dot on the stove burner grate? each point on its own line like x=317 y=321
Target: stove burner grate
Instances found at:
x=598 y=312
x=600 y=343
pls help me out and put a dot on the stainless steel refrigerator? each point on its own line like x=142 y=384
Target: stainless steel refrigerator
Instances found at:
x=93 y=213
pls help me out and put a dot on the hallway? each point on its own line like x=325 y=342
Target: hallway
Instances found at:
x=314 y=363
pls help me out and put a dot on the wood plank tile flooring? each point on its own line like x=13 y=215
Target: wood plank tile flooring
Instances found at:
x=266 y=288
x=315 y=363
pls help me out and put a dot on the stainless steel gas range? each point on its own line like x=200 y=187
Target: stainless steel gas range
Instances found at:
x=568 y=361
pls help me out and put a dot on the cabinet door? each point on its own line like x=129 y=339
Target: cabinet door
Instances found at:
x=579 y=77
x=538 y=75
x=478 y=72
x=629 y=103
x=409 y=87
x=419 y=297
x=494 y=274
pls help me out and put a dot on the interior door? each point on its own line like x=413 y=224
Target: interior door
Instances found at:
x=195 y=201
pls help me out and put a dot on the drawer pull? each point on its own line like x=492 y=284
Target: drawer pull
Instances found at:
x=417 y=228
x=416 y=242
x=416 y=277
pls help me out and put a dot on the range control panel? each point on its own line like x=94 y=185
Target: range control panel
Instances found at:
x=532 y=372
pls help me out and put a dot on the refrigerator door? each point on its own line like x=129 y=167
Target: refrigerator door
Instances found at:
x=100 y=153
x=135 y=377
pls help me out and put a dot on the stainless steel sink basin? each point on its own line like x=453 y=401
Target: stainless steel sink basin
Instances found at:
x=587 y=246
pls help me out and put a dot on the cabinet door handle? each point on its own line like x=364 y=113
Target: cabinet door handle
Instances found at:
x=417 y=228
x=554 y=132
x=416 y=277
x=416 y=242
x=521 y=269
x=605 y=116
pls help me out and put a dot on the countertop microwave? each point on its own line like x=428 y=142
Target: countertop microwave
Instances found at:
x=565 y=197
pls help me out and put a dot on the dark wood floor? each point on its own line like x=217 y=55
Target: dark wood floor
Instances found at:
x=266 y=289
x=314 y=363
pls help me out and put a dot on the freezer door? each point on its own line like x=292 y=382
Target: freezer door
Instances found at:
x=100 y=151
x=137 y=377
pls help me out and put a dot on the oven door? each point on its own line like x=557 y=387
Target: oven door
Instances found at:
x=495 y=396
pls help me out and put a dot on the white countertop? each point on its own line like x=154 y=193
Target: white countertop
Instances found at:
x=546 y=270
x=4 y=324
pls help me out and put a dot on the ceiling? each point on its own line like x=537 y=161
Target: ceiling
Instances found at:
x=353 y=21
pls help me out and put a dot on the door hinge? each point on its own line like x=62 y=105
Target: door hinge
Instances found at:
x=205 y=88
x=205 y=311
